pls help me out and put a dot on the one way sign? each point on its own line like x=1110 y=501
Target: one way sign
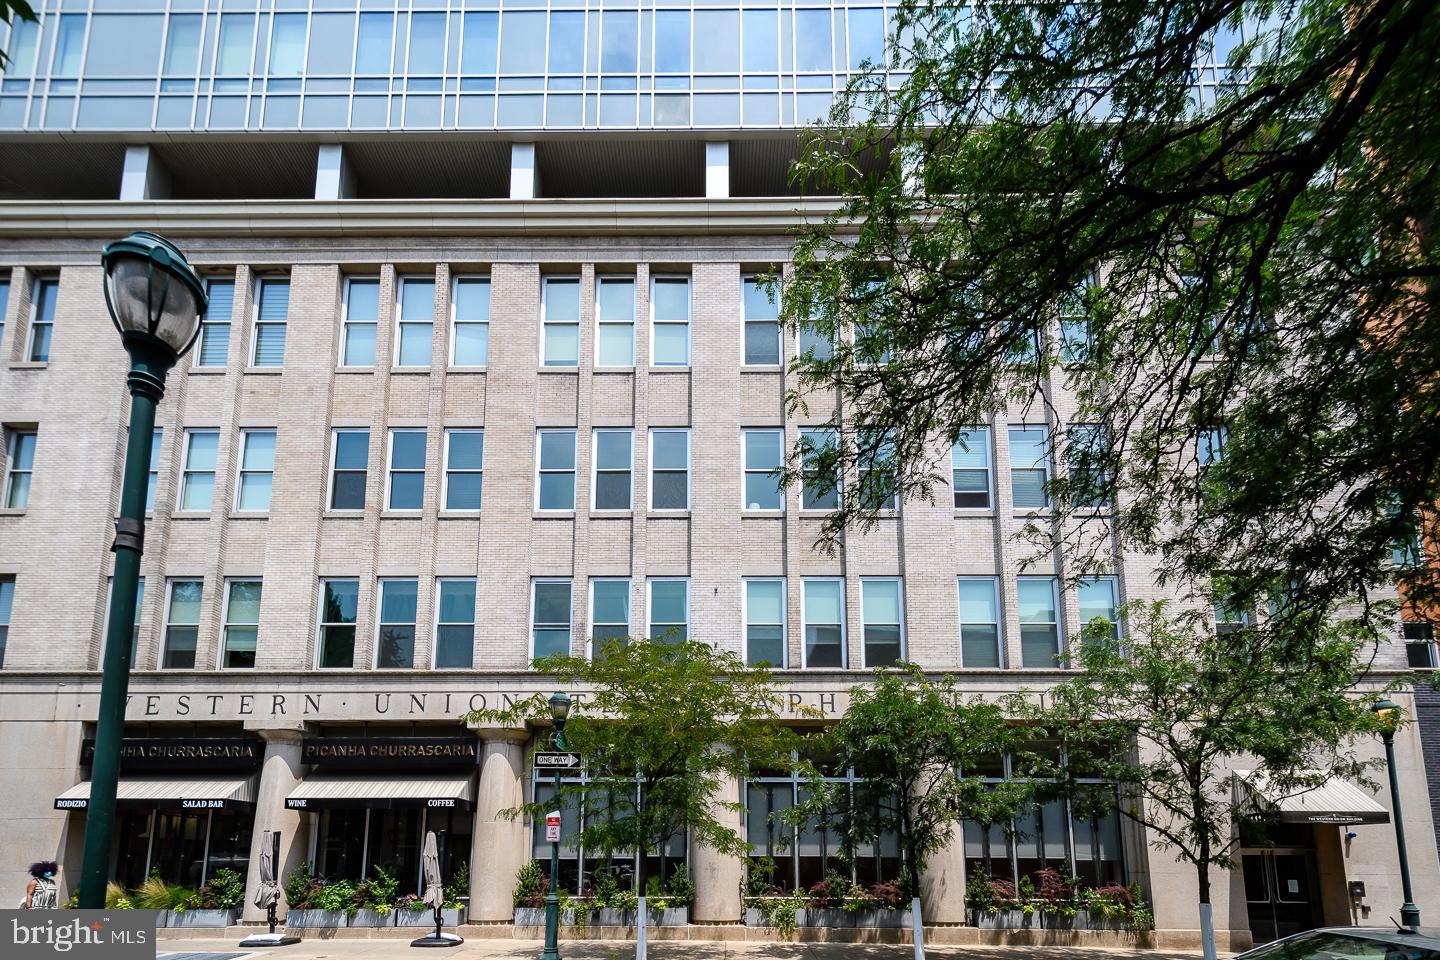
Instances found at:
x=556 y=761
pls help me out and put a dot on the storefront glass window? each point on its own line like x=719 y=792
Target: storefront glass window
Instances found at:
x=183 y=847
x=350 y=843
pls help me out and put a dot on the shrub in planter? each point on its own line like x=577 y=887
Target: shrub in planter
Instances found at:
x=531 y=885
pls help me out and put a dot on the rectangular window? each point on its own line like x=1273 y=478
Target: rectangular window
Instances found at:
x=1210 y=446
x=396 y=649
x=555 y=466
x=242 y=623
x=417 y=322
x=609 y=613
x=819 y=489
x=1039 y=626
x=979 y=622
x=257 y=470
x=464 y=469
x=560 y=322
x=214 y=347
x=42 y=318
x=970 y=469
x=1419 y=641
x=550 y=619
x=670 y=321
x=4 y=305
x=824 y=611
x=233 y=52
x=876 y=474
x=615 y=314
x=272 y=314
x=182 y=624
x=1076 y=345
x=7 y=602
x=68 y=44
x=152 y=479
x=197 y=480
x=613 y=469
x=1029 y=468
x=669 y=609
x=814 y=343
x=455 y=625
x=669 y=469
x=349 y=469
x=406 y=477
x=362 y=315
x=19 y=466
x=1229 y=617
x=882 y=610
x=134 y=627
x=1097 y=601
x=762 y=324
x=338 y=603
x=765 y=623
x=763 y=452
x=1085 y=452
x=470 y=333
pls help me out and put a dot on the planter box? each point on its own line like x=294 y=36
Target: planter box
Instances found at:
x=535 y=917
x=372 y=918
x=450 y=917
x=200 y=918
x=614 y=917
x=883 y=918
x=316 y=918
x=834 y=918
x=1004 y=919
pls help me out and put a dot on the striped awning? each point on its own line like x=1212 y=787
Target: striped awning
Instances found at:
x=200 y=793
x=455 y=791
x=1335 y=801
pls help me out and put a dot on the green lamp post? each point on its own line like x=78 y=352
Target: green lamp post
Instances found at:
x=1390 y=715
x=559 y=712
x=156 y=302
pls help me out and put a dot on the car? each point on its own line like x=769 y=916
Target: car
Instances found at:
x=1352 y=943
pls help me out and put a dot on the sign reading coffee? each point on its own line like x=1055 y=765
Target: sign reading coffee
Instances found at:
x=183 y=753
x=391 y=753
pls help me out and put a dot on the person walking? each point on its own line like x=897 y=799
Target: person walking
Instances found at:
x=41 y=892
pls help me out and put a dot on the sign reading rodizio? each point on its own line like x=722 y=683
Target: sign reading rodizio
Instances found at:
x=391 y=753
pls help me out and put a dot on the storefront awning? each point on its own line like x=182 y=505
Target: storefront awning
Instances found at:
x=1334 y=802
x=442 y=791
x=204 y=793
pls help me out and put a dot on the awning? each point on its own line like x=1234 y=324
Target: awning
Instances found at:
x=439 y=791
x=1335 y=802
x=202 y=793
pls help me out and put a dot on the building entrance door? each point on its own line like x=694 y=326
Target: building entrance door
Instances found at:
x=1281 y=891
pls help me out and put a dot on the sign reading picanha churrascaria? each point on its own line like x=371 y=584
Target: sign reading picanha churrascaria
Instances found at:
x=360 y=753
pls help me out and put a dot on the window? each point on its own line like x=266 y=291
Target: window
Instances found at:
x=1419 y=640
x=613 y=449
x=555 y=487
x=1097 y=601
x=153 y=478
x=362 y=314
x=1230 y=617
x=232 y=53
x=7 y=602
x=272 y=313
x=134 y=627
x=970 y=469
x=762 y=451
x=670 y=319
x=818 y=491
x=406 y=477
x=669 y=469
x=1076 y=344
x=397 y=624
x=814 y=343
x=979 y=623
x=609 y=613
x=349 y=469
x=1039 y=627
x=42 y=318
x=214 y=347
x=876 y=474
x=560 y=322
x=417 y=322
x=765 y=622
x=669 y=609
x=872 y=341
x=4 y=304
x=824 y=609
x=338 y=602
x=464 y=469
x=470 y=336
x=455 y=625
x=1210 y=445
x=1085 y=453
x=257 y=470
x=19 y=465
x=550 y=619
x=615 y=313
x=881 y=608
x=197 y=480
x=762 y=323
x=182 y=624
x=1029 y=468
x=242 y=623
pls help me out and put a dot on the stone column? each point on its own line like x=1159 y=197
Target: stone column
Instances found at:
x=278 y=777
x=718 y=875
x=501 y=845
x=942 y=882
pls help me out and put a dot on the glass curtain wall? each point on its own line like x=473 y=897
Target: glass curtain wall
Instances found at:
x=185 y=847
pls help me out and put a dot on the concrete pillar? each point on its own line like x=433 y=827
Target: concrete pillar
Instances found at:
x=144 y=177
x=279 y=774
x=718 y=875
x=717 y=170
x=501 y=845
x=334 y=177
x=524 y=172
x=942 y=882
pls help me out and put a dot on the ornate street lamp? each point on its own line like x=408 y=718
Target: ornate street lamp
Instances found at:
x=559 y=713
x=1390 y=715
x=156 y=302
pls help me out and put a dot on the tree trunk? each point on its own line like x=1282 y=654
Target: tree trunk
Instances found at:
x=1207 y=922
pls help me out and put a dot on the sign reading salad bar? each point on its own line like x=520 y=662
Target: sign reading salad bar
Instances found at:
x=391 y=753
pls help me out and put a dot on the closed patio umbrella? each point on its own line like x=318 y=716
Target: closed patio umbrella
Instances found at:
x=267 y=893
x=434 y=896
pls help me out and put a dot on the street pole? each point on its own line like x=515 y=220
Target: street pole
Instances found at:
x=559 y=709
x=1409 y=912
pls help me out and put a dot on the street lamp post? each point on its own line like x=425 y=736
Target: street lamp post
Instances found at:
x=156 y=302
x=1389 y=713
x=559 y=711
